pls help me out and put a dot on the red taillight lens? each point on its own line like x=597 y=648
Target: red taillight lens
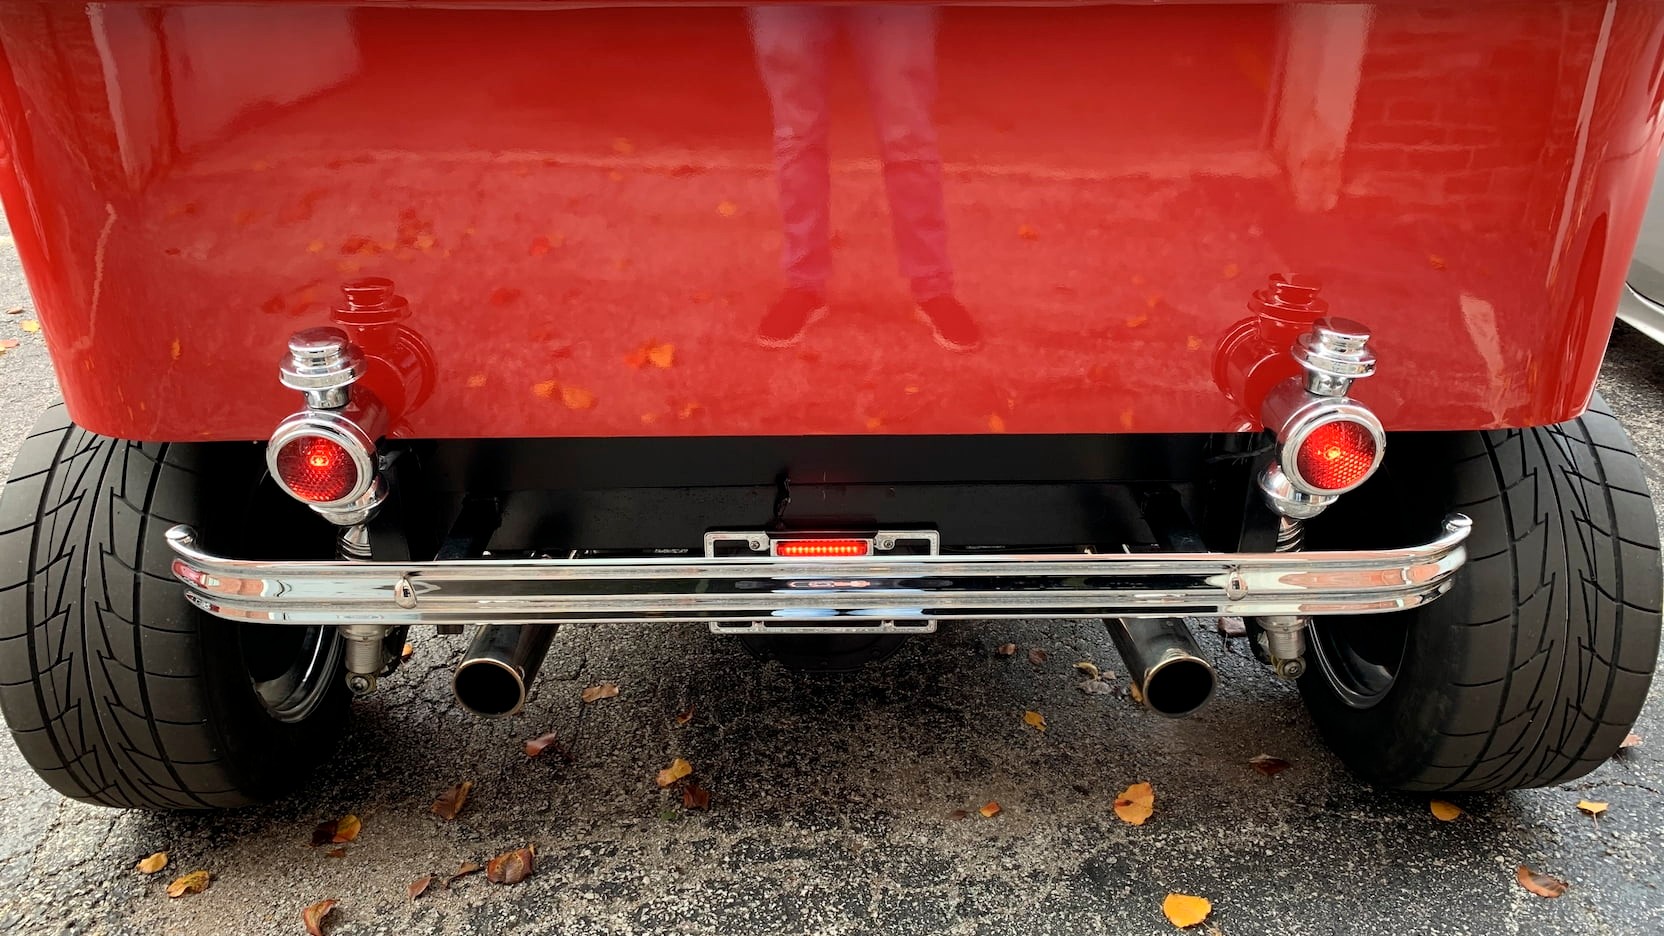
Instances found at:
x=1336 y=455
x=800 y=549
x=317 y=469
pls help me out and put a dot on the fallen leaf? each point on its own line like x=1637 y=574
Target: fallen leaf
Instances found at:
x=1183 y=910
x=727 y=209
x=1037 y=656
x=958 y=814
x=1136 y=693
x=6 y=344
x=1230 y=627
x=1035 y=720
x=324 y=833
x=1027 y=233
x=346 y=829
x=600 y=691
x=420 y=886
x=174 y=350
x=662 y=355
x=990 y=809
x=15 y=310
x=542 y=743
x=450 y=802
x=677 y=770
x=194 y=882
x=1543 y=885
x=695 y=796
x=29 y=325
x=465 y=869
x=686 y=716
x=1443 y=811
x=1007 y=650
x=1136 y=804
x=407 y=651
x=1630 y=740
x=153 y=864
x=1590 y=807
x=1268 y=765
x=577 y=398
x=546 y=388
x=336 y=853
x=313 y=916
x=511 y=867
x=1096 y=687
x=1088 y=668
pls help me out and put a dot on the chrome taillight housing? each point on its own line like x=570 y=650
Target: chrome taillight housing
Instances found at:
x=1327 y=442
x=325 y=455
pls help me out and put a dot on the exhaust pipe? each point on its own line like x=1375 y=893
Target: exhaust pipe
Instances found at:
x=1164 y=662
x=502 y=660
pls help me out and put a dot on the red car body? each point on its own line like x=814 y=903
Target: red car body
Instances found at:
x=583 y=217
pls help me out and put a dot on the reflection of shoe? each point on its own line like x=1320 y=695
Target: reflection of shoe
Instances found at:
x=789 y=317
x=950 y=323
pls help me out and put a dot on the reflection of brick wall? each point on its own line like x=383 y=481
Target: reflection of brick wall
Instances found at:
x=59 y=90
x=1461 y=107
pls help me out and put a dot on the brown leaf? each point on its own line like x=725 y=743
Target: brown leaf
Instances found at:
x=990 y=809
x=599 y=691
x=511 y=867
x=346 y=829
x=324 y=833
x=1443 y=811
x=194 y=882
x=336 y=853
x=1183 y=910
x=1037 y=656
x=1630 y=740
x=1096 y=687
x=543 y=742
x=1035 y=720
x=1268 y=765
x=1136 y=804
x=1543 y=885
x=313 y=916
x=407 y=651
x=677 y=770
x=1229 y=626
x=1088 y=669
x=153 y=864
x=958 y=814
x=1009 y=649
x=686 y=716
x=450 y=802
x=420 y=886
x=695 y=796
x=465 y=869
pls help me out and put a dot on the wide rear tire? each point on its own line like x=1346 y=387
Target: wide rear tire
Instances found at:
x=1533 y=668
x=116 y=689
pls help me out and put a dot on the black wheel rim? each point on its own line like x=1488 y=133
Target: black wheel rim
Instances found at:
x=292 y=669
x=1360 y=658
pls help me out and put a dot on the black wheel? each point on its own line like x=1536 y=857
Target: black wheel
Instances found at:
x=116 y=689
x=1535 y=665
x=825 y=653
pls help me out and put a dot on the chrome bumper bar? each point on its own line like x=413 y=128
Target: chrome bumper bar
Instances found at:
x=819 y=590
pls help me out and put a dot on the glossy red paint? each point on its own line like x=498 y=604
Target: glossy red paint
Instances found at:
x=580 y=207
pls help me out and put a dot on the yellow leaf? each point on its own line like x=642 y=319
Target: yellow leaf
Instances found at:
x=407 y=651
x=193 y=883
x=1590 y=807
x=990 y=809
x=1136 y=693
x=1136 y=804
x=577 y=398
x=346 y=829
x=1035 y=720
x=1183 y=910
x=154 y=863
x=677 y=770
x=662 y=355
x=29 y=325
x=599 y=691
x=1444 y=811
x=1088 y=669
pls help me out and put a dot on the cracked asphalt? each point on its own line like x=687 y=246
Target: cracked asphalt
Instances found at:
x=831 y=796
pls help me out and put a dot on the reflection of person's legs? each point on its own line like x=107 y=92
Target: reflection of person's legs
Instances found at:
x=895 y=47
x=793 y=46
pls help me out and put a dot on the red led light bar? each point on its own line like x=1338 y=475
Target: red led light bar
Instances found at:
x=808 y=548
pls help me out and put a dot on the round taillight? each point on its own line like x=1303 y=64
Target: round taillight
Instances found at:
x=1337 y=456
x=317 y=469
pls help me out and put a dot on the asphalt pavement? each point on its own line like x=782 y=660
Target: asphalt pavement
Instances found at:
x=833 y=799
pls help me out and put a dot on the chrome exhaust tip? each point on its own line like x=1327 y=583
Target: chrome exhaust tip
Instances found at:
x=1164 y=663
x=495 y=675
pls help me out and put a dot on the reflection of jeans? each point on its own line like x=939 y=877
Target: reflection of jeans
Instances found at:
x=895 y=49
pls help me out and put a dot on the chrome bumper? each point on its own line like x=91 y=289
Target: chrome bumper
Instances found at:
x=818 y=591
